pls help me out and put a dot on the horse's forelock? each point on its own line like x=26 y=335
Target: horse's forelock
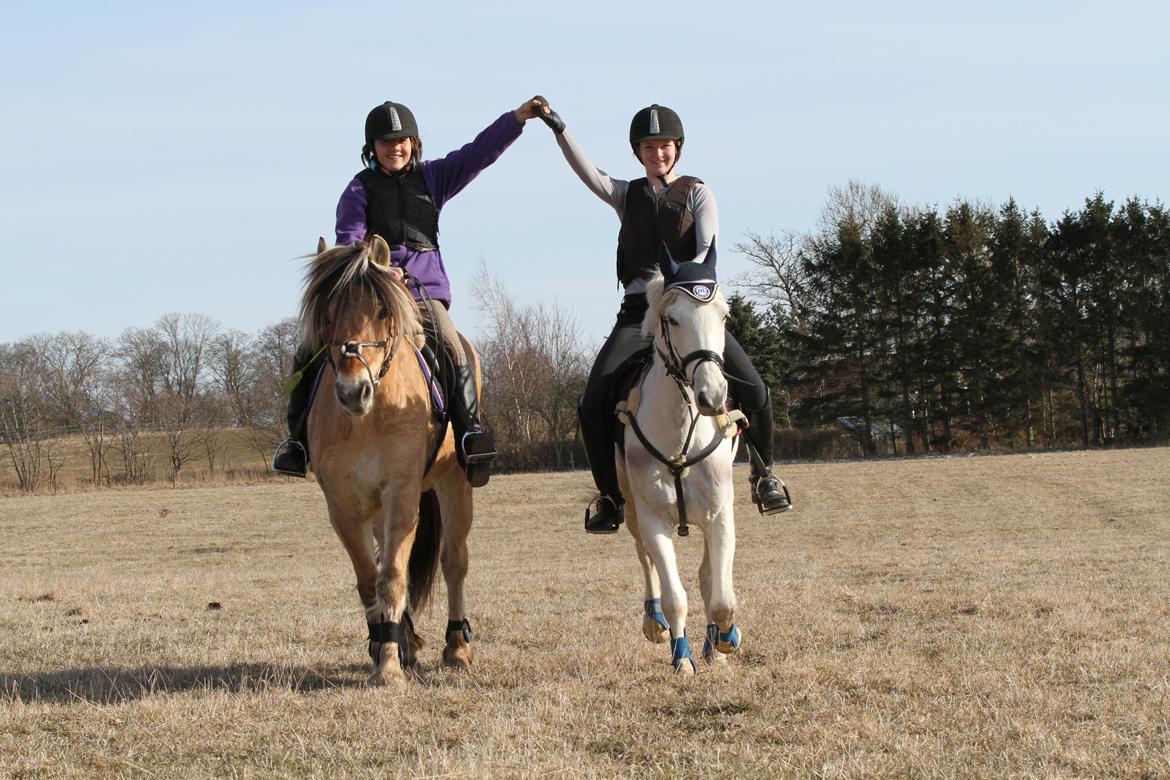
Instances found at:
x=658 y=299
x=338 y=277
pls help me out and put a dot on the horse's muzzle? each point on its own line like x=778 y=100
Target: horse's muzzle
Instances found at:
x=356 y=396
x=710 y=389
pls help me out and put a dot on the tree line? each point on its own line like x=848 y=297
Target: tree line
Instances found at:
x=902 y=329
x=969 y=327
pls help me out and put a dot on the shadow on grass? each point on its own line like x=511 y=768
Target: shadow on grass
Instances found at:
x=112 y=685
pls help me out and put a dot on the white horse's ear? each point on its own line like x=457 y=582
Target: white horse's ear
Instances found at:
x=321 y=245
x=380 y=252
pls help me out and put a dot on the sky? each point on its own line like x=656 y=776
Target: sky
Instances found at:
x=159 y=157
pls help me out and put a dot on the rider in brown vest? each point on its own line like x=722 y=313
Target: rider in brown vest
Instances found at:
x=680 y=211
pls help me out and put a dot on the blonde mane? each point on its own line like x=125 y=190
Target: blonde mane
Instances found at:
x=340 y=277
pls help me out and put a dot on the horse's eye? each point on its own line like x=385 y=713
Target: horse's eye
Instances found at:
x=383 y=313
x=672 y=321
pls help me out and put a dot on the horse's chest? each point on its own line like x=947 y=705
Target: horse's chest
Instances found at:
x=655 y=483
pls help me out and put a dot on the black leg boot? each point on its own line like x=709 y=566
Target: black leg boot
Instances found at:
x=607 y=513
x=292 y=454
x=473 y=445
x=769 y=492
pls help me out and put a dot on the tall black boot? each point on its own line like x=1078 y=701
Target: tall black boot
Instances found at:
x=292 y=454
x=607 y=513
x=473 y=445
x=769 y=492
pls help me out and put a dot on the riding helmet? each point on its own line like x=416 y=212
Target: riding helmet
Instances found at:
x=654 y=123
x=390 y=121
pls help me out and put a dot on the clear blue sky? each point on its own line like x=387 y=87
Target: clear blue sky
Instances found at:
x=159 y=157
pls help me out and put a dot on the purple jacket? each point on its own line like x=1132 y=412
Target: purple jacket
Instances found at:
x=444 y=179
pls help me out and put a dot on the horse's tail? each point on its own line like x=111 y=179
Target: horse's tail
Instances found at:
x=424 y=555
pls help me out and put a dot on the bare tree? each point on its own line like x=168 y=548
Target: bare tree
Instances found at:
x=776 y=278
x=857 y=205
x=233 y=370
x=76 y=369
x=272 y=359
x=534 y=367
x=184 y=431
x=186 y=340
x=141 y=355
x=25 y=425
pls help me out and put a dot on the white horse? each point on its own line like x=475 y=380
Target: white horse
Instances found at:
x=679 y=444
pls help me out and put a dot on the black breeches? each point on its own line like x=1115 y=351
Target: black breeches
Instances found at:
x=596 y=414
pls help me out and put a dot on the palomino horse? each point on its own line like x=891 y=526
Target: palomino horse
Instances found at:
x=372 y=435
x=679 y=445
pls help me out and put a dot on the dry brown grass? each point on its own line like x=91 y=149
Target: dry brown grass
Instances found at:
x=986 y=616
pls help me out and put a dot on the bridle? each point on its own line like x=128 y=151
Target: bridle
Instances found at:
x=354 y=349
x=676 y=366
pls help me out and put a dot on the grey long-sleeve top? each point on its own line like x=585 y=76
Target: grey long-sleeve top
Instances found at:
x=613 y=191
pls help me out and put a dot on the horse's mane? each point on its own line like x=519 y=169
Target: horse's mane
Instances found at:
x=654 y=297
x=339 y=277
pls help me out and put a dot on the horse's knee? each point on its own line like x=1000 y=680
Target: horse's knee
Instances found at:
x=675 y=604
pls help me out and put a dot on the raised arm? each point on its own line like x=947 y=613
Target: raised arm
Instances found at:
x=611 y=190
x=448 y=175
x=706 y=219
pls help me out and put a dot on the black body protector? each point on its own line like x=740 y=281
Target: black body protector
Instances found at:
x=648 y=222
x=400 y=209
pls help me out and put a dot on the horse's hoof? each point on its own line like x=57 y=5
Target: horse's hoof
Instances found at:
x=653 y=630
x=729 y=642
x=458 y=656
x=654 y=625
x=715 y=659
x=724 y=641
x=389 y=676
x=681 y=658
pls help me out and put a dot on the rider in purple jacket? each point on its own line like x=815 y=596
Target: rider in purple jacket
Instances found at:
x=399 y=196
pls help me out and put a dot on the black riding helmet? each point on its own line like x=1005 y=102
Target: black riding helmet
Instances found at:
x=390 y=121
x=655 y=123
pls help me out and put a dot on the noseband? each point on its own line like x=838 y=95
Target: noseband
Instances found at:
x=354 y=349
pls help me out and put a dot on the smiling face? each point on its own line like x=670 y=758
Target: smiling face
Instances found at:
x=393 y=155
x=658 y=156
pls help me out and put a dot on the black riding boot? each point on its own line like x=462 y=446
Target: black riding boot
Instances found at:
x=769 y=492
x=292 y=454
x=607 y=515
x=473 y=445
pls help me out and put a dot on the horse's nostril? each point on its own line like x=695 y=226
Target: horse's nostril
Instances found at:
x=367 y=392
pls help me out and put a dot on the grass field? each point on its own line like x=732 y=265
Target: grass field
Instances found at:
x=979 y=616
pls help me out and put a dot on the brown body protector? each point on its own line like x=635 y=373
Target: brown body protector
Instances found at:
x=647 y=222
